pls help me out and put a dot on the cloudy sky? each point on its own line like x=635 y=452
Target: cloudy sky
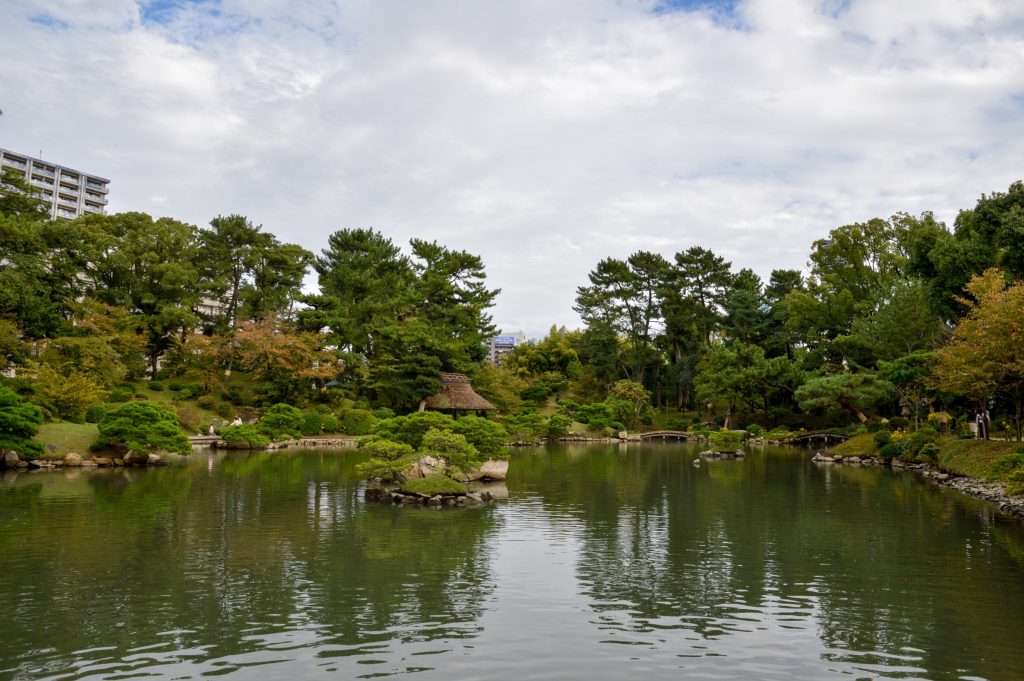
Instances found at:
x=542 y=135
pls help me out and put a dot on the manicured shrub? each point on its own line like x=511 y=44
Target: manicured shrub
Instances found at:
x=207 y=402
x=175 y=386
x=312 y=424
x=383 y=413
x=358 y=421
x=489 y=437
x=388 y=460
x=245 y=432
x=558 y=425
x=899 y=423
x=755 y=430
x=889 y=451
x=918 y=439
x=411 y=428
x=329 y=423
x=142 y=427
x=121 y=393
x=726 y=440
x=881 y=438
x=156 y=386
x=526 y=426
x=459 y=456
x=19 y=423
x=281 y=421
x=223 y=410
x=95 y=412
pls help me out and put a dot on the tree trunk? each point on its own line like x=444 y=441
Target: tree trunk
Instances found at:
x=850 y=407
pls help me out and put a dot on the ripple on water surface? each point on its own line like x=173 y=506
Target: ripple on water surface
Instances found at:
x=604 y=563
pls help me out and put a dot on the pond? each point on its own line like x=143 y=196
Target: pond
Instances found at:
x=604 y=562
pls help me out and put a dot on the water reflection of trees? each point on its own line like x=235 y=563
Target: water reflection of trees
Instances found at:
x=875 y=561
x=226 y=558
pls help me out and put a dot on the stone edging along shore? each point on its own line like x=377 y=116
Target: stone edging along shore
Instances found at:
x=992 y=492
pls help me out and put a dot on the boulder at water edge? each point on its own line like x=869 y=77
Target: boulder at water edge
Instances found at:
x=11 y=459
x=72 y=459
x=494 y=469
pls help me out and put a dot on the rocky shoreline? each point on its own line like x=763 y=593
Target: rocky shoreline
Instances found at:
x=398 y=497
x=992 y=492
x=12 y=461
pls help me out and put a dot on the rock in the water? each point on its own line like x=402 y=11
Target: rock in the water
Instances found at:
x=118 y=461
x=72 y=459
x=136 y=459
x=11 y=459
x=102 y=461
x=152 y=459
x=494 y=469
x=88 y=463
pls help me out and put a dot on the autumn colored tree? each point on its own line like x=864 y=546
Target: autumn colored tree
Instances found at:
x=986 y=353
x=286 y=362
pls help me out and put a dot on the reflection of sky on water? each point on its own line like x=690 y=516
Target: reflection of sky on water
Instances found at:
x=604 y=563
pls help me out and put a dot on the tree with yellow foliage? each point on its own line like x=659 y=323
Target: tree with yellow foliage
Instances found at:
x=986 y=352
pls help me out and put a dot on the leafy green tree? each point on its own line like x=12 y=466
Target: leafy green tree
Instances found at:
x=747 y=314
x=449 y=305
x=364 y=284
x=528 y=426
x=853 y=272
x=277 y=275
x=704 y=279
x=911 y=375
x=636 y=401
x=147 y=267
x=623 y=296
x=854 y=393
x=18 y=198
x=227 y=254
x=781 y=340
x=19 y=423
x=142 y=427
x=903 y=324
x=66 y=395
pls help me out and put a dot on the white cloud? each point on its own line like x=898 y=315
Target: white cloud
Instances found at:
x=543 y=136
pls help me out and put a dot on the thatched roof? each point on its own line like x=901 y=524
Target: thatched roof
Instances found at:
x=457 y=393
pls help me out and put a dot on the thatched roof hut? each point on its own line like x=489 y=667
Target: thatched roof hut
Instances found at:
x=456 y=395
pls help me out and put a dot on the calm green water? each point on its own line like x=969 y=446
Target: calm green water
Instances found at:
x=605 y=562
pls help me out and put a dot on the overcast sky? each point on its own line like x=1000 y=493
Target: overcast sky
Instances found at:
x=542 y=135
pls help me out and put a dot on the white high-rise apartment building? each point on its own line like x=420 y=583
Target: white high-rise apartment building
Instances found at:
x=69 y=193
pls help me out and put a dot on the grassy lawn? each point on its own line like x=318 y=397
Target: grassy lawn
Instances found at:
x=62 y=437
x=972 y=457
x=858 y=445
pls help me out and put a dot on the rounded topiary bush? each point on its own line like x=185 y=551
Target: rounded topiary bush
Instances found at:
x=889 y=451
x=358 y=421
x=881 y=438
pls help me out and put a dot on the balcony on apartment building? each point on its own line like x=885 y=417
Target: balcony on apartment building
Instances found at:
x=15 y=163
x=41 y=170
